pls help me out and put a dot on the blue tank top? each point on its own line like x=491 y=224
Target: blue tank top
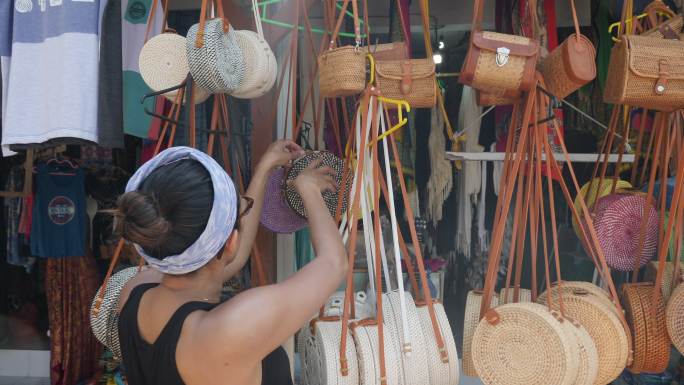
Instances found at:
x=59 y=213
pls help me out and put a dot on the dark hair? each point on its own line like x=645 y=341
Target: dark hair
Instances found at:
x=170 y=209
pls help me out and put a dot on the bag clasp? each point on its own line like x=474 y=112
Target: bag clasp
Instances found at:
x=502 y=55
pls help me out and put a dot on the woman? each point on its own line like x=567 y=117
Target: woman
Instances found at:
x=181 y=212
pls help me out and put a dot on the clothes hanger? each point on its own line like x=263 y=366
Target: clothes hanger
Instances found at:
x=617 y=26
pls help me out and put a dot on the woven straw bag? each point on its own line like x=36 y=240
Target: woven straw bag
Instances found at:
x=261 y=68
x=414 y=362
x=389 y=51
x=670 y=29
x=441 y=373
x=587 y=289
x=588 y=193
x=649 y=328
x=667 y=285
x=470 y=321
x=604 y=327
x=646 y=71
x=524 y=295
x=365 y=334
x=413 y=80
x=618 y=225
x=588 y=354
x=523 y=343
x=342 y=70
x=675 y=321
x=310 y=364
x=500 y=98
x=570 y=65
x=327 y=337
x=215 y=58
x=105 y=321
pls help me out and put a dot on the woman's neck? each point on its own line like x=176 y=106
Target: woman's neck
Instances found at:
x=197 y=286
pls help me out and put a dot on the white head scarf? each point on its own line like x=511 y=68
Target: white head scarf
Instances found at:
x=221 y=220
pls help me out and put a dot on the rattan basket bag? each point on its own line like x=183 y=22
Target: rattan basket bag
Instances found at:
x=649 y=328
x=261 y=68
x=470 y=321
x=675 y=318
x=342 y=70
x=570 y=65
x=215 y=58
x=593 y=191
x=497 y=63
x=105 y=321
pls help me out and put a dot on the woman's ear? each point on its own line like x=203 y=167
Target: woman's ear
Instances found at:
x=230 y=249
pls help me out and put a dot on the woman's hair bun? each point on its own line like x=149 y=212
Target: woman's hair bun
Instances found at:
x=140 y=221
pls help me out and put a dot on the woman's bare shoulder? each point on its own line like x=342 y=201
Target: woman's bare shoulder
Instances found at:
x=146 y=275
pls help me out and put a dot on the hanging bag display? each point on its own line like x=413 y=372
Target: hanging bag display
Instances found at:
x=497 y=63
x=342 y=70
x=570 y=65
x=670 y=28
x=413 y=80
x=215 y=58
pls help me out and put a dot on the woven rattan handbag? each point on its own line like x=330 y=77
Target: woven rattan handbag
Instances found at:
x=570 y=65
x=215 y=58
x=470 y=321
x=591 y=192
x=105 y=321
x=498 y=63
x=485 y=99
x=325 y=357
x=618 y=225
x=602 y=324
x=389 y=51
x=667 y=29
x=649 y=328
x=675 y=321
x=413 y=80
x=342 y=70
x=327 y=159
x=261 y=68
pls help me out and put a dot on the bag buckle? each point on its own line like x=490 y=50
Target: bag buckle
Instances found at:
x=502 y=55
x=661 y=83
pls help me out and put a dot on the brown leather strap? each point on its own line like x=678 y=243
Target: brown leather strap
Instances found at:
x=199 y=40
x=340 y=19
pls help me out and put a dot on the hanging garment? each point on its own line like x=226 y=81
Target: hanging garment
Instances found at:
x=70 y=285
x=52 y=83
x=59 y=214
x=135 y=14
x=441 y=171
x=6 y=15
x=469 y=178
x=110 y=96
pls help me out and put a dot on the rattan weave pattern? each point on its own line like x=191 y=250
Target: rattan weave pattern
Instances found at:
x=588 y=354
x=422 y=92
x=327 y=337
x=441 y=373
x=590 y=196
x=330 y=197
x=219 y=65
x=366 y=341
x=470 y=321
x=675 y=318
x=342 y=71
x=524 y=295
x=554 y=68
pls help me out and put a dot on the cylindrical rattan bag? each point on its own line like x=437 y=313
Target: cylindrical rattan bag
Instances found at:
x=441 y=373
x=327 y=159
x=604 y=327
x=365 y=334
x=618 y=224
x=327 y=337
x=105 y=322
x=470 y=321
x=588 y=354
x=524 y=344
x=675 y=318
x=646 y=319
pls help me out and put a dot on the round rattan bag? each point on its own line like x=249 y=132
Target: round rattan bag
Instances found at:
x=470 y=321
x=441 y=373
x=260 y=65
x=365 y=334
x=588 y=354
x=330 y=197
x=675 y=318
x=524 y=295
x=524 y=344
x=327 y=371
x=105 y=322
x=590 y=196
x=646 y=319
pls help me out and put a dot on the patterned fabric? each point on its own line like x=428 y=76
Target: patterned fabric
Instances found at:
x=221 y=220
x=70 y=285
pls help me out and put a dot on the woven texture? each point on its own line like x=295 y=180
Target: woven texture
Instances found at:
x=636 y=65
x=527 y=346
x=306 y=345
x=618 y=224
x=590 y=197
x=342 y=72
x=330 y=197
x=219 y=65
x=495 y=98
x=470 y=321
x=163 y=61
x=413 y=365
x=105 y=323
x=420 y=91
x=675 y=321
x=366 y=341
x=588 y=354
x=524 y=295
x=327 y=370
x=604 y=327
x=588 y=289
x=556 y=69
x=277 y=215
x=675 y=23
x=388 y=51
x=646 y=319
x=440 y=373
x=201 y=95
x=489 y=76
x=260 y=65
x=668 y=274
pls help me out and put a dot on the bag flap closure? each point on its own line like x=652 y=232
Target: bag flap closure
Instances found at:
x=395 y=69
x=518 y=45
x=579 y=56
x=655 y=58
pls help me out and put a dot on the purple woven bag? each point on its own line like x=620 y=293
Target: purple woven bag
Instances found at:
x=277 y=215
x=618 y=222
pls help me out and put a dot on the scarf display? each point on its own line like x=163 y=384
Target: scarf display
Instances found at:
x=441 y=177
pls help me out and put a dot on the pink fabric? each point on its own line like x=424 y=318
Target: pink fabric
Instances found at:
x=618 y=222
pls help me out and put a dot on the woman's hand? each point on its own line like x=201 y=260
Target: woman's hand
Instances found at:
x=315 y=179
x=280 y=153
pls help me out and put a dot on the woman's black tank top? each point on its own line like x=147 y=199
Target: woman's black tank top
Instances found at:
x=155 y=364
